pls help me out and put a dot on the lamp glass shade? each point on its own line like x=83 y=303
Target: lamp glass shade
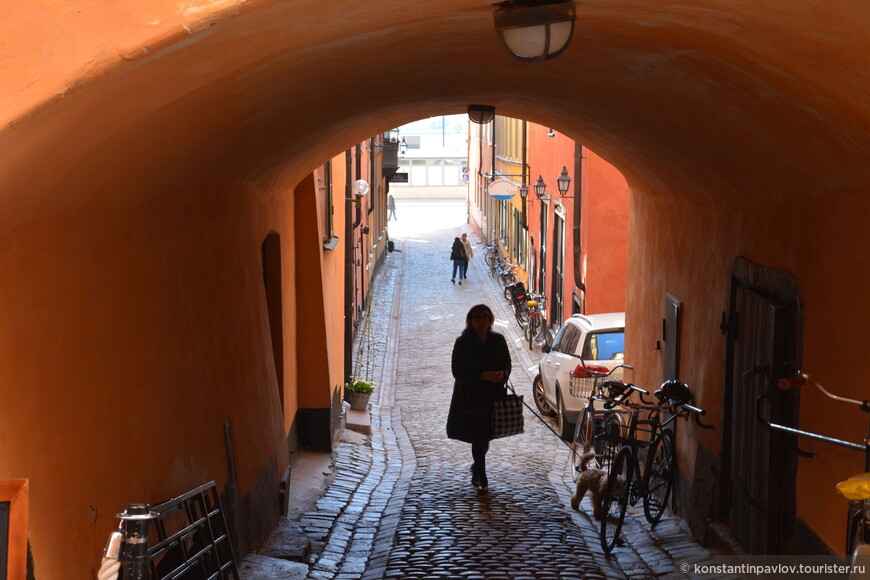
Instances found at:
x=563 y=182
x=360 y=187
x=393 y=135
x=540 y=187
x=538 y=42
x=524 y=191
x=535 y=32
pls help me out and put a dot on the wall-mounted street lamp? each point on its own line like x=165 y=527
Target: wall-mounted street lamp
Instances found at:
x=403 y=147
x=535 y=30
x=563 y=182
x=360 y=188
x=393 y=135
x=481 y=114
x=540 y=188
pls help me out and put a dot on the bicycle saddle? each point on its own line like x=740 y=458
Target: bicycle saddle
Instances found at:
x=674 y=390
x=856 y=488
x=614 y=388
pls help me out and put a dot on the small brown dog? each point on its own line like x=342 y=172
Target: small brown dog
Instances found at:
x=593 y=480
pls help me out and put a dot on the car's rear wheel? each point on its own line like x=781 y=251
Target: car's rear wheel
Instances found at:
x=540 y=400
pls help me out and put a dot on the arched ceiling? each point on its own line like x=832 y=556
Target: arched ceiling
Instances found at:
x=731 y=102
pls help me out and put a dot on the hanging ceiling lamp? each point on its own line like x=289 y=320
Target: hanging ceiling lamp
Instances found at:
x=481 y=114
x=535 y=30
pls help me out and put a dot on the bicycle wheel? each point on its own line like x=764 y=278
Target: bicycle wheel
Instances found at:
x=583 y=433
x=531 y=330
x=616 y=496
x=522 y=315
x=857 y=532
x=508 y=294
x=659 y=476
x=490 y=263
x=607 y=443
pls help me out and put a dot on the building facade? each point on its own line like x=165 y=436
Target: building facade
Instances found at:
x=570 y=246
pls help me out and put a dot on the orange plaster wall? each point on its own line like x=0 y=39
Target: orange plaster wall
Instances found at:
x=333 y=283
x=688 y=251
x=605 y=234
x=320 y=299
x=131 y=326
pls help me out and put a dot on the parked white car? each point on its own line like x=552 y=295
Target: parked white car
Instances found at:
x=596 y=340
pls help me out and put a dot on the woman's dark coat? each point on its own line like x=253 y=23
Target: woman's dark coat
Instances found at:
x=457 y=252
x=470 y=413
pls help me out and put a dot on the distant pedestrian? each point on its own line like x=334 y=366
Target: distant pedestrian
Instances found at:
x=469 y=253
x=457 y=254
x=481 y=365
x=391 y=205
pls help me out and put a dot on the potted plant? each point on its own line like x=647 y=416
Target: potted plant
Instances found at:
x=357 y=393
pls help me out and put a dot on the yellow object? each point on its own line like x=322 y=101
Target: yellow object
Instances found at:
x=532 y=303
x=856 y=487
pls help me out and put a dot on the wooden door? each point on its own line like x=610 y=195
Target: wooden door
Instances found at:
x=762 y=465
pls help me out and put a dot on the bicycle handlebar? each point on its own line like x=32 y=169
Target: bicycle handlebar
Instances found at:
x=676 y=407
x=802 y=433
x=803 y=379
x=636 y=388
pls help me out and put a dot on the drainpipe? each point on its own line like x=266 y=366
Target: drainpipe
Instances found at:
x=578 y=256
x=492 y=172
x=523 y=171
x=348 y=269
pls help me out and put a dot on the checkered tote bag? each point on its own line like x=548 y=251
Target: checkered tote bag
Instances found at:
x=507 y=415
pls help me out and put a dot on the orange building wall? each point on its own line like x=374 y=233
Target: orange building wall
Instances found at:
x=688 y=251
x=132 y=326
x=605 y=234
x=604 y=219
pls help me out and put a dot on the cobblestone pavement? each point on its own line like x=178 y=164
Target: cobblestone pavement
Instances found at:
x=402 y=505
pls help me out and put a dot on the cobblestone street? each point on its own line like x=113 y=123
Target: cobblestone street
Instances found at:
x=402 y=504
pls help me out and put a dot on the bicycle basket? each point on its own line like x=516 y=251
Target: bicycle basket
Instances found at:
x=518 y=290
x=583 y=383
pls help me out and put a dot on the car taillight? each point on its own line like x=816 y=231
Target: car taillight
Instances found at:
x=590 y=371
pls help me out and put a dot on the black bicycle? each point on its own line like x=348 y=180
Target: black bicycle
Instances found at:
x=518 y=298
x=627 y=484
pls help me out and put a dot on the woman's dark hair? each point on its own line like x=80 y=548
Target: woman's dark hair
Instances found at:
x=479 y=309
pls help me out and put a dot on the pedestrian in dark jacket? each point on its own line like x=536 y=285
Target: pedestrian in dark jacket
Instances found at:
x=481 y=365
x=457 y=254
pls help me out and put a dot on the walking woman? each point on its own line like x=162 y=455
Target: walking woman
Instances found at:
x=469 y=253
x=481 y=365
x=457 y=254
